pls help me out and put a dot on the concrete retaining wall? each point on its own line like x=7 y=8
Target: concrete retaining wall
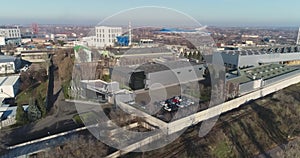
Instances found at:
x=181 y=124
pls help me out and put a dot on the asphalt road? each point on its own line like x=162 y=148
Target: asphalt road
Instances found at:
x=59 y=120
x=42 y=145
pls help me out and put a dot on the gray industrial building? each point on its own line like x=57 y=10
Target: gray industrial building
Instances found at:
x=101 y=91
x=96 y=89
x=248 y=58
x=146 y=51
x=165 y=74
x=248 y=80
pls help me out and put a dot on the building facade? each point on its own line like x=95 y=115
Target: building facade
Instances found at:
x=248 y=58
x=36 y=56
x=9 y=86
x=11 y=35
x=244 y=81
x=164 y=74
x=9 y=64
x=106 y=36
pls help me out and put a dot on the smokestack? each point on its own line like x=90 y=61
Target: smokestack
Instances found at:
x=130 y=35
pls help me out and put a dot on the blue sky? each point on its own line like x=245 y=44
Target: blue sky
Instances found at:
x=207 y=12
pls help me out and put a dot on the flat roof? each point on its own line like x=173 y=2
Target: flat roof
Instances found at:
x=156 y=67
x=5 y=59
x=274 y=50
x=95 y=83
x=11 y=112
x=1 y=100
x=3 y=108
x=36 y=51
x=264 y=72
x=137 y=51
x=8 y=80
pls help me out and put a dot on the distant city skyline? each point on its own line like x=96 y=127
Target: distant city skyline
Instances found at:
x=214 y=12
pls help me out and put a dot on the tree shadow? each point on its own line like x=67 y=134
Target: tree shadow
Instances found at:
x=50 y=95
x=27 y=133
x=251 y=135
x=268 y=124
x=234 y=138
x=55 y=96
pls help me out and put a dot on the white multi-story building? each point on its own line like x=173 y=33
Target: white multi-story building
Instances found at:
x=10 y=32
x=106 y=36
x=10 y=35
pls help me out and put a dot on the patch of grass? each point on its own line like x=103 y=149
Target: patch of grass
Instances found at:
x=66 y=89
x=39 y=88
x=77 y=119
x=222 y=150
x=84 y=117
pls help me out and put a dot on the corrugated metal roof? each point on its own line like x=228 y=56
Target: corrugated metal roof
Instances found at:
x=8 y=80
x=5 y=59
x=3 y=108
x=264 y=72
x=11 y=112
x=1 y=100
x=156 y=66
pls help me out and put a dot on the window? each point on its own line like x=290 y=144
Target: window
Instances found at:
x=178 y=73
x=190 y=70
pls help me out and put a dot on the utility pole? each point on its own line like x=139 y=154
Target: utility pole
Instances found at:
x=130 y=34
x=298 y=38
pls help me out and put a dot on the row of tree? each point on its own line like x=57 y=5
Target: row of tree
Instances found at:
x=193 y=55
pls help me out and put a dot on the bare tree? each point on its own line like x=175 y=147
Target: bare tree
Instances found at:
x=80 y=146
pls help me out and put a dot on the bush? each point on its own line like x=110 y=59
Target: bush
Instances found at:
x=66 y=90
x=21 y=116
x=33 y=112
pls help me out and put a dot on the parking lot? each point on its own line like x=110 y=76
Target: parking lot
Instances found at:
x=165 y=103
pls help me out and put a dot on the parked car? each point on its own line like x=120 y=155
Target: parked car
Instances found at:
x=171 y=107
x=25 y=68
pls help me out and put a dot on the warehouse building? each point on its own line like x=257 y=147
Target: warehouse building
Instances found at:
x=244 y=81
x=36 y=56
x=247 y=58
x=97 y=90
x=165 y=74
x=153 y=52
